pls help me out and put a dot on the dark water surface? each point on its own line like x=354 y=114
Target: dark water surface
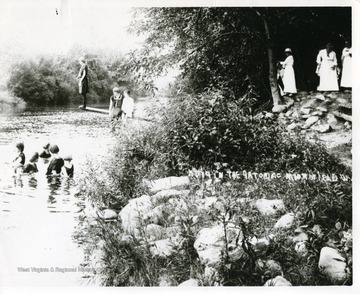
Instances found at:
x=38 y=214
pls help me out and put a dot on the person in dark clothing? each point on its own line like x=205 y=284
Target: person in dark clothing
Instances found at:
x=83 y=80
x=31 y=167
x=56 y=163
x=116 y=101
x=19 y=161
x=68 y=168
x=46 y=152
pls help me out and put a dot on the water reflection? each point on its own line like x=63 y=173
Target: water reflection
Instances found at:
x=33 y=183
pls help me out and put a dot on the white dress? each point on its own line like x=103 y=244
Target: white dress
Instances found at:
x=128 y=106
x=289 y=75
x=328 y=75
x=347 y=68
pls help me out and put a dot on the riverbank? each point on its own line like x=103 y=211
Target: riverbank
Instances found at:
x=270 y=221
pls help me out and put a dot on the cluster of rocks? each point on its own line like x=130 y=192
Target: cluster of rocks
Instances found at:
x=320 y=112
x=158 y=219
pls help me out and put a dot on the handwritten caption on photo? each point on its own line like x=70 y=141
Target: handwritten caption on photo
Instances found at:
x=250 y=175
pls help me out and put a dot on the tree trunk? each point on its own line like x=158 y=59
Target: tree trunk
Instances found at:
x=272 y=65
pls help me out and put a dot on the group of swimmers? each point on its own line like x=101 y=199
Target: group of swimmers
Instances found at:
x=57 y=166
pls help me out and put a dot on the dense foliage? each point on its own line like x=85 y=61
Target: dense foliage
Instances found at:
x=220 y=46
x=52 y=80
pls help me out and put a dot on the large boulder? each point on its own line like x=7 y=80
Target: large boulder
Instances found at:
x=305 y=110
x=168 y=183
x=320 y=97
x=322 y=128
x=277 y=281
x=333 y=121
x=108 y=214
x=210 y=244
x=162 y=248
x=286 y=221
x=332 y=264
x=310 y=103
x=132 y=215
x=279 y=108
x=343 y=115
x=292 y=126
x=165 y=195
x=269 y=207
x=310 y=121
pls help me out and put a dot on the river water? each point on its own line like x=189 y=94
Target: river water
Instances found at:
x=38 y=215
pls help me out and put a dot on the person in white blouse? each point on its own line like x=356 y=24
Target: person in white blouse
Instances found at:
x=288 y=77
x=326 y=69
x=127 y=107
x=346 y=59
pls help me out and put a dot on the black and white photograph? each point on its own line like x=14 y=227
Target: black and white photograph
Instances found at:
x=166 y=144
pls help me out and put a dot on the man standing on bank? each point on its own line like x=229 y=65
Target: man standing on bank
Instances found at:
x=83 y=80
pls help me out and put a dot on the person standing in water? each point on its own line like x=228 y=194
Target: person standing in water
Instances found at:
x=83 y=80
x=32 y=167
x=19 y=161
x=56 y=163
x=68 y=168
x=288 y=77
x=46 y=152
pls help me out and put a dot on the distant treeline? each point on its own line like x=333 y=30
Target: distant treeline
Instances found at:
x=52 y=80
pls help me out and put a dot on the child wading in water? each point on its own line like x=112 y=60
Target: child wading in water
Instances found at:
x=46 y=152
x=19 y=161
x=56 y=163
x=127 y=106
x=68 y=168
x=31 y=167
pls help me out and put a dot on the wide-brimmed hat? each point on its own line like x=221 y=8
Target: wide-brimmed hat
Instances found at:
x=116 y=90
x=288 y=50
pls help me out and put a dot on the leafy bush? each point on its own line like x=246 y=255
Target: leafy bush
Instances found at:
x=210 y=128
x=52 y=81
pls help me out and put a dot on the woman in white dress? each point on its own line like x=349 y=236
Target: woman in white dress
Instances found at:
x=127 y=107
x=288 y=77
x=346 y=59
x=326 y=69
